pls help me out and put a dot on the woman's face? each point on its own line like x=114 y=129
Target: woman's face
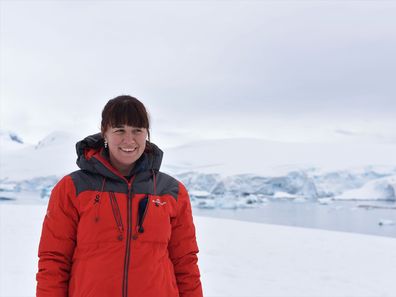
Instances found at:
x=126 y=144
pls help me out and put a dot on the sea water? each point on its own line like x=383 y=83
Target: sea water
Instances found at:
x=366 y=217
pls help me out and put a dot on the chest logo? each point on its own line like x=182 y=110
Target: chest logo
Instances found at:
x=158 y=202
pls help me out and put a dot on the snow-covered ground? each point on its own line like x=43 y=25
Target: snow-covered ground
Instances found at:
x=236 y=258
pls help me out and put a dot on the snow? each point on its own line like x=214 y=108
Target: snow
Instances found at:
x=236 y=258
x=325 y=201
x=8 y=187
x=54 y=155
x=199 y=194
x=266 y=158
x=383 y=188
x=218 y=169
x=269 y=260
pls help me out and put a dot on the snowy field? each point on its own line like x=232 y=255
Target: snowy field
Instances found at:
x=236 y=258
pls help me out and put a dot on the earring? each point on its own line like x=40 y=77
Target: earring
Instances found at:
x=105 y=143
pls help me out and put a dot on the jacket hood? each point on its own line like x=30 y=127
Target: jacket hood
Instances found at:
x=92 y=156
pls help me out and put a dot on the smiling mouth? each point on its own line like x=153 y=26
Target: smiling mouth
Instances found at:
x=128 y=150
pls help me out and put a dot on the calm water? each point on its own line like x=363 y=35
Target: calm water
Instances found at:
x=338 y=216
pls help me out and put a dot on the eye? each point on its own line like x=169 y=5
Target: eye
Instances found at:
x=118 y=131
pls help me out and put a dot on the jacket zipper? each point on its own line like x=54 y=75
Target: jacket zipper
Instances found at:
x=97 y=206
x=140 y=220
x=117 y=215
x=128 y=240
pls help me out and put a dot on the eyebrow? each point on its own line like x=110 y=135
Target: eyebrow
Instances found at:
x=123 y=127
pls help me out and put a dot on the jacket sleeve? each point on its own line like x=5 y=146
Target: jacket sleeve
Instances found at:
x=183 y=248
x=58 y=240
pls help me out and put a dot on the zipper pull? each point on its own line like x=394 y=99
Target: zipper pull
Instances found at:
x=97 y=199
x=97 y=203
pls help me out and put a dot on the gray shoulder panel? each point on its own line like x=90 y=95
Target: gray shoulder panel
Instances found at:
x=86 y=181
x=166 y=184
x=144 y=183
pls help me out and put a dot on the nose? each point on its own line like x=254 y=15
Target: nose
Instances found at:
x=129 y=137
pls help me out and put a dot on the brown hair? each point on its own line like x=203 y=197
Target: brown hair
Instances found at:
x=125 y=110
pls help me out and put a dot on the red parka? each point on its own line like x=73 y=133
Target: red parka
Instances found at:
x=107 y=236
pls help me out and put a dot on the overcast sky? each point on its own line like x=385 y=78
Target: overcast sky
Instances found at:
x=280 y=70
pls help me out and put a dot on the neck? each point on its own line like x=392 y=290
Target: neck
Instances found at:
x=124 y=170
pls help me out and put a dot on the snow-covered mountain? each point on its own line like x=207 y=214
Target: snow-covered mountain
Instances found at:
x=268 y=158
x=251 y=170
x=225 y=173
x=211 y=190
x=52 y=156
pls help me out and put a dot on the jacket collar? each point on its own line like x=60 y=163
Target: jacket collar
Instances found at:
x=92 y=157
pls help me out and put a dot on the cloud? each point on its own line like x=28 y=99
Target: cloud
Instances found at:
x=345 y=132
x=211 y=68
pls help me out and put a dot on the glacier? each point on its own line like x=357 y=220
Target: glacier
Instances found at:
x=212 y=174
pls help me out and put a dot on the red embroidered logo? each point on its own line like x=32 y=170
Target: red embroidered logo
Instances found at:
x=158 y=202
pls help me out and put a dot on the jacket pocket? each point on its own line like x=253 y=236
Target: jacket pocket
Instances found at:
x=142 y=211
x=153 y=219
x=117 y=215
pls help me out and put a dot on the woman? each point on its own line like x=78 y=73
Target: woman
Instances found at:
x=119 y=226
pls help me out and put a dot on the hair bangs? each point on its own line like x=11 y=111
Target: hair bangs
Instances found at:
x=124 y=110
x=127 y=114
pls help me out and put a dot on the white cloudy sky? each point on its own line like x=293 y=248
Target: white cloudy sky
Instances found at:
x=281 y=70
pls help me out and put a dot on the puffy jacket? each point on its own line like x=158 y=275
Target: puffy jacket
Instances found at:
x=104 y=235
